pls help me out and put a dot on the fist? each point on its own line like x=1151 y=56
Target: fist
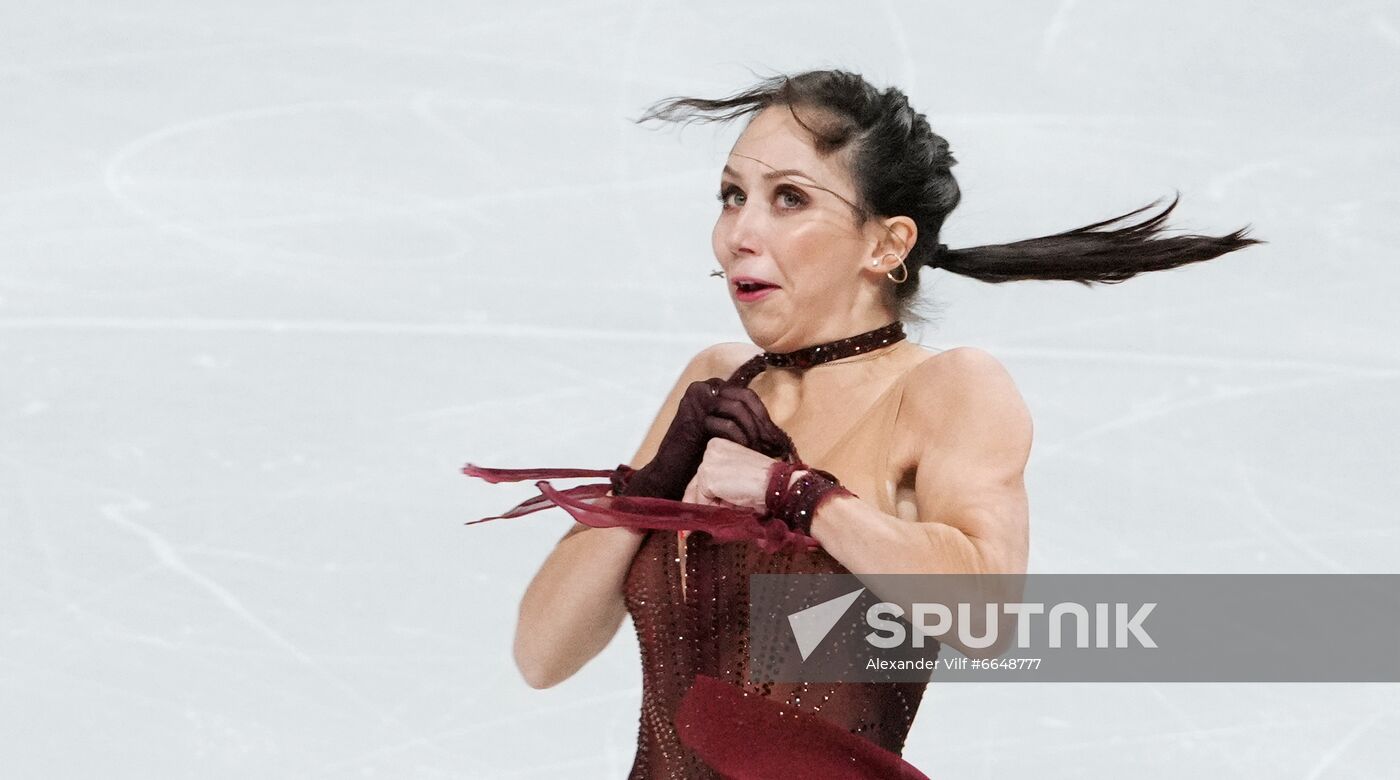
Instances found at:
x=730 y=475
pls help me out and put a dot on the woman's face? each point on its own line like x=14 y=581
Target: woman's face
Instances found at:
x=782 y=222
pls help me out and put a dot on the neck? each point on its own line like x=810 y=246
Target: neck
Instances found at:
x=792 y=376
x=840 y=319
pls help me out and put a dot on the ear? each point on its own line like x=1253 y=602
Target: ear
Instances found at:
x=892 y=236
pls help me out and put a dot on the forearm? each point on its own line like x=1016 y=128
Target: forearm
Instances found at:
x=867 y=540
x=574 y=605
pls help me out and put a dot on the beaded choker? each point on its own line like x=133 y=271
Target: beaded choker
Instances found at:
x=835 y=350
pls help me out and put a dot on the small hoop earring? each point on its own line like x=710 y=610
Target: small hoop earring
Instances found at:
x=890 y=274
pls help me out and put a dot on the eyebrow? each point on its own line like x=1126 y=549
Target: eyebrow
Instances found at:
x=770 y=174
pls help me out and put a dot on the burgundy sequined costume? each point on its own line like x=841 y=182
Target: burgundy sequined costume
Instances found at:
x=707 y=632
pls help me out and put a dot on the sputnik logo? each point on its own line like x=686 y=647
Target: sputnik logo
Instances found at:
x=811 y=625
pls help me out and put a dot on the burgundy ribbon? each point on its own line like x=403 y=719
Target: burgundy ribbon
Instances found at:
x=591 y=505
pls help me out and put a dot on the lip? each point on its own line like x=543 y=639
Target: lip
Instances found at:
x=754 y=295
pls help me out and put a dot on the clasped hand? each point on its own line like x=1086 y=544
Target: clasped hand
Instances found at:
x=717 y=451
x=731 y=475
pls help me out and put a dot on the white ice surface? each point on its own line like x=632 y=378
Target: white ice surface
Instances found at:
x=270 y=273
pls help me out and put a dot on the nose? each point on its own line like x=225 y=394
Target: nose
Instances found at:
x=742 y=231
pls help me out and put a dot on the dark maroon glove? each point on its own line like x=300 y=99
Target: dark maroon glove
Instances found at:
x=712 y=408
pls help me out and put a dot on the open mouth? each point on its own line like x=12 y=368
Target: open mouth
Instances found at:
x=748 y=287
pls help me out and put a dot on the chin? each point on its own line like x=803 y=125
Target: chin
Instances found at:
x=761 y=336
x=753 y=329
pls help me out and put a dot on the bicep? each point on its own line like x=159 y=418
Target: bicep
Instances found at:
x=971 y=466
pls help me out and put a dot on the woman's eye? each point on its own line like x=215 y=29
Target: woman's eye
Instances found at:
x=726 y=192
x=790 y=198
x=797 y=199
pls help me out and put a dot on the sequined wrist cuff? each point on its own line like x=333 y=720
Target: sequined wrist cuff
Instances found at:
x=779 y=477
x=798 y=504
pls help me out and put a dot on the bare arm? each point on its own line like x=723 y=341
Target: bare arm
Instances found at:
x=574 y=605
x=972 y=507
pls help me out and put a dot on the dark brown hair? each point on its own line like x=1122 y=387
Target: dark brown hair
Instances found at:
x=902 y=168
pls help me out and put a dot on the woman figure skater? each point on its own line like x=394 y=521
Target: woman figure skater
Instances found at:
x=831 y=443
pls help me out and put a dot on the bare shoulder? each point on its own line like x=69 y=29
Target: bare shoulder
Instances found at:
x=964 y=365
x=722 y=359
x=967 y=387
